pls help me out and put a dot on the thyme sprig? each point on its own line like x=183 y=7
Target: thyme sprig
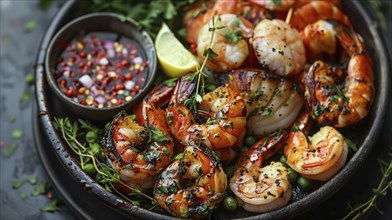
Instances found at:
x=199 y=76
x=382 y=189
x=107 y=176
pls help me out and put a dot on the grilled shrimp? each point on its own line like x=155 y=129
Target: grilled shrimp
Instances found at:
x=272 y=102
x=275 y=5
x=279 y=47
x=319 y=40
x=262 y=189
x=320 y=158
x=341 y=105
x=137 y=157
x=191 y=186
x=317 y=10
x=140 y=149
x=228 y=42
x=225 y=127
x=203 y=11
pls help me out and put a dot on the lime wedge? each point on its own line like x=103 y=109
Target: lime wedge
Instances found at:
x=174 y=58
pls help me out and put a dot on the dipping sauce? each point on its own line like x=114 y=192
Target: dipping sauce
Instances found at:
x=101 y=69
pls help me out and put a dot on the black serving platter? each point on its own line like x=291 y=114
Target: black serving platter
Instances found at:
x=364 y=134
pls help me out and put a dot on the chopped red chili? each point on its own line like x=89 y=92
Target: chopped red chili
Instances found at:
x=101 y=69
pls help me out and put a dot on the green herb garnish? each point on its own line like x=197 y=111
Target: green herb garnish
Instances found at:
x=16 y=134
x=339 y=92
x=277 y=2
x=155 y=135
x=236 y=22
x=26 y=96
x=351 y=144
x=148 y=14
x=29 y=78
x=233 y=36
x=267 y=112
x=10 y=149
x=22 y=195
x=385 y=186
x=107 y=176
x=17 y=183
x=30 y=25
x=44 y=4
x=41 y=189
x=11 y=118
x=199 y=76
x=381 y=7
x=51 y=207
x=171 y=82
x=32 y=180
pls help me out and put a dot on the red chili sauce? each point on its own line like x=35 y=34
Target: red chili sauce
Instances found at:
x=101 y=69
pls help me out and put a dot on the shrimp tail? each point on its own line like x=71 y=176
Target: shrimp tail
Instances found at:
x=183 y=89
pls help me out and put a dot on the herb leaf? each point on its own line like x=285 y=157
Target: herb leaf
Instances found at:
x=32 y=180
x=233 y=36
x=22 y=195
x=44 y=4
x=267 y=112
x=30 y=25
x=17 y=183
x=10 y=149
x=26 y=96
x=16 y=134
x=171 y=82
x=351 y=144
x=12 y=118
x=156 y=135
x=41 y=189
x=51 y=207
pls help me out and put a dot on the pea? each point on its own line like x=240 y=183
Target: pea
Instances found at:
x=304 y=184
x=96 y=149
x=229 y=170
x=250 y=141
x=292 y=175
x=91 y=137
x=283 y=160
x=89 y=169
x=230 y=203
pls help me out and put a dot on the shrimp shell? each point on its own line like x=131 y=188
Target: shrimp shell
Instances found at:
x=273 y=102
x=320 y=158
x=317 y=10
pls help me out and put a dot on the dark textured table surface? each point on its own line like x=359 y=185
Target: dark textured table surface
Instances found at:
x=18 y=49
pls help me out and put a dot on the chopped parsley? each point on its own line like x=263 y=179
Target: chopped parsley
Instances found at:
x=41 y=189
x=152 y=157
x=351 y=144
x=156 y=135
x=16 y=134
x=267 y=112
x=10 y=150
x=168 y=189
x=236 y=22
x=171 y=82
x=51 y=207
x=30 y=25
x=277 y=2
x=233 y=36
x=170 y=117
x=17 y=183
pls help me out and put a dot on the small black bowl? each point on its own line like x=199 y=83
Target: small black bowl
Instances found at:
x=99 y=22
